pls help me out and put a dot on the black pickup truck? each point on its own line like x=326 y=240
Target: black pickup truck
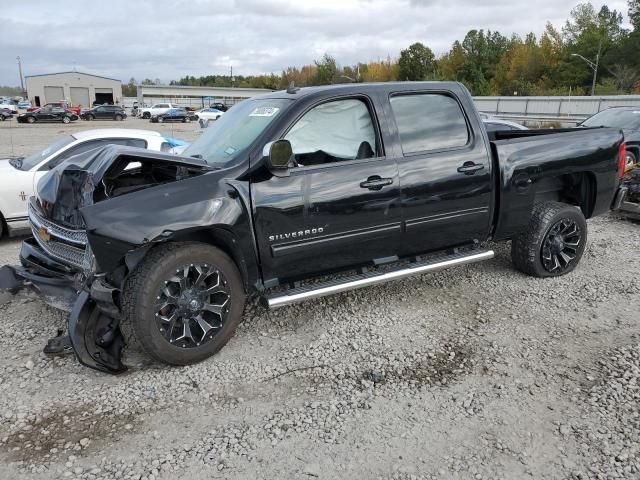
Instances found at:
x=365 y=183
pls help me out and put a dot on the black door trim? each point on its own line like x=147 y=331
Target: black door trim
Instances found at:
x=416 y=222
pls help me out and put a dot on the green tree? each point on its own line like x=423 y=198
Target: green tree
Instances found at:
x=326 y=70
x=130 y=89
x=416 y=62
x=634 y=13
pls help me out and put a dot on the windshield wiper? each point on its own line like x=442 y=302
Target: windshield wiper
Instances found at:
x=197 y=155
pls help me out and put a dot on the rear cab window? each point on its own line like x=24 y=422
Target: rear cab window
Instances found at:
x=429 y=122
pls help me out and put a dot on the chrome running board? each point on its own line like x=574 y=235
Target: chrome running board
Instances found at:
x=433 y=264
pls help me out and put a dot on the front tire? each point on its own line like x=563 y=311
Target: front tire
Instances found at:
x=146 y=115
x=65 y=120
x=31 y=119
x=554 y=242
x=183 y=303
x=118 y=118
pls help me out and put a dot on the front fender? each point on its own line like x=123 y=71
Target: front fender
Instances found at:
x=173 y=212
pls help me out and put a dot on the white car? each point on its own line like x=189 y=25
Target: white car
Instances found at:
x=10 y=106
x=157 y=109
x=209 y=113
x=19 y=176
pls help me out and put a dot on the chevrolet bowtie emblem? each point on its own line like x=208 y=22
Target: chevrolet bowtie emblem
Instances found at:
x=44 y=234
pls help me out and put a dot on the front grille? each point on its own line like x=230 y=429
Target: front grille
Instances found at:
x=65 y=245
x=77 y=237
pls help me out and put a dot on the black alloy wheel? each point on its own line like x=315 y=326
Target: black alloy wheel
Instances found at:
x=560 y=246
x=193 y=305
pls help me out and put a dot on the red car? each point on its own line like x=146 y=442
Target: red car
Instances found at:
x=66 y=105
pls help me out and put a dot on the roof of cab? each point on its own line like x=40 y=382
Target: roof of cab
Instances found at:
x=347 y=88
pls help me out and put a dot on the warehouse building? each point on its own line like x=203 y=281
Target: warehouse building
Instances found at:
x=81 y=89
x=196 y=97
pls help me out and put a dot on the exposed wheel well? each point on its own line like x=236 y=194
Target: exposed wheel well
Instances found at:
x=222 y=239
x=577 y=189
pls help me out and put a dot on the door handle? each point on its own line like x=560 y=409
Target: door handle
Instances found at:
x=376 y=182
x=469 y=168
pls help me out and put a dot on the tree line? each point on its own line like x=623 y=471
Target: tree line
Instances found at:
x=555 y=62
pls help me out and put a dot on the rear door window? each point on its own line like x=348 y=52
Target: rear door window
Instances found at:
x=429 y=122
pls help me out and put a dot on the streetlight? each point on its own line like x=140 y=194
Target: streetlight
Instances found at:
x=594 y=67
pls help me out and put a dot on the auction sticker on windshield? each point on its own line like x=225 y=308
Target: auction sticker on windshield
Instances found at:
x=264 y=112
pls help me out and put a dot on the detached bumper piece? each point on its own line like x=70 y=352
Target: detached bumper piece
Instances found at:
x=95 y=336
x=93 y=322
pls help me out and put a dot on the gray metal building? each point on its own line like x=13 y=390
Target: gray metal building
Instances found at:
x=565 y=109
x=196 y=97
x=81 y=89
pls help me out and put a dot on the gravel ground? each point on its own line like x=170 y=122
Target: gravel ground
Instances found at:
x=476 y=372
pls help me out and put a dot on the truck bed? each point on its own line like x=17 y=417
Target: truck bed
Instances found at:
x=538 y=165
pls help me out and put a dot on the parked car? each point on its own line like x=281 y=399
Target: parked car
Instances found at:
x=48 y=114
x=19 y=176
x=493 y=124
x=5 y=114
x=157 y=109
x=625 y=118
x=220 y=106
x=9 y=106
x=23 y=105
x=290 y=186
x=105 y=112
x=65 y=105
x=208 y=114
x=173 y=115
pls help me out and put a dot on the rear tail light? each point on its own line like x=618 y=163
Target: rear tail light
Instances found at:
x=622 y=160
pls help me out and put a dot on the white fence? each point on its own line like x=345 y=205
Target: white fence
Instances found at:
x=552 y=108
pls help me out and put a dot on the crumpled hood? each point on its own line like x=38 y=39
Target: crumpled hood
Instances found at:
x=71 y=185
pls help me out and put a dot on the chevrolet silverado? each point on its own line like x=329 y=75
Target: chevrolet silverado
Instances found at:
x=347 y=186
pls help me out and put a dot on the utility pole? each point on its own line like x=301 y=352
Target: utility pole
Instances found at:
x=20 y=72
x=232 y=76
x=595 y=70
x=594 y=66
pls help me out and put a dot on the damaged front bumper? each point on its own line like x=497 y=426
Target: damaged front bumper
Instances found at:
x=94 y=315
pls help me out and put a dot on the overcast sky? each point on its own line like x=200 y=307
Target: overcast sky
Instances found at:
x=168 y=39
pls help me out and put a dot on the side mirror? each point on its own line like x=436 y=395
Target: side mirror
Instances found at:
x=279 y=154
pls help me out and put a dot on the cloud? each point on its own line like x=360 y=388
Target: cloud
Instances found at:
x=169 y=39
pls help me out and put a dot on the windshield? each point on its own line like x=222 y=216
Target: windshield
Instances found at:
x=230 y=136
x=34 y=159
x=616 y=118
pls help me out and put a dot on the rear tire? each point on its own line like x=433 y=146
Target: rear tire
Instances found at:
x=553 y=243
x=144 y=291
x=65 y=120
